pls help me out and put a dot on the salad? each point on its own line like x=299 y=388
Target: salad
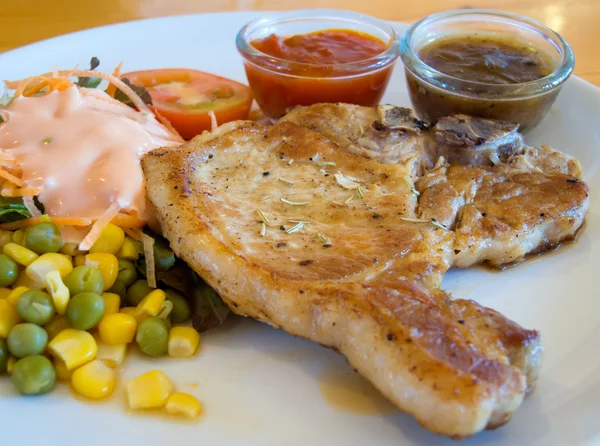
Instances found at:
x=84 y=271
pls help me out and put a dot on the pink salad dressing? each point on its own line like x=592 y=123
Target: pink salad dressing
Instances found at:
x=84 y=149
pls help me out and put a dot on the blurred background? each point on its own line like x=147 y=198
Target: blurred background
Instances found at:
x=27 y=21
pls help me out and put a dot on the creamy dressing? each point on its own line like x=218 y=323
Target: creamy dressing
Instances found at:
x=84 y=149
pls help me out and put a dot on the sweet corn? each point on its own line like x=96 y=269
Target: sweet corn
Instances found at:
x=4 y=292
x=110 y=240
x=94 y=380
x=10 y=364
x=56 y=325
x=183 y=342
x=18 y=237
x=70 y=249
x=183 y=404
x=107 y=264
x=19 y=254
x=58 y=290
x=79 y=260
x=5 y=237
x=112 y=303
x=111 y=355
x=51 y=261
x=15 y=293
x=25 y=281
x=74 y=347
x=149 y=391
x=151 y=304
x=128 y=310
x=9 y=317
x=129 y=250
x=62 y=373
x=117 y=328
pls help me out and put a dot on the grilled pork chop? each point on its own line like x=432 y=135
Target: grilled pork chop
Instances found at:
x=502 y=199
x=294 y=231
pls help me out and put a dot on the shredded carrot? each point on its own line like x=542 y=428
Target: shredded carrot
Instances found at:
x=111 y=89
x=148 y=243
x=164 y=121
x=31 y=207
x=128 y=221
x=21 y=192
x=131 y=233
x=99 y=225
x=58 y=221
x=213 y=121
x=13 y=179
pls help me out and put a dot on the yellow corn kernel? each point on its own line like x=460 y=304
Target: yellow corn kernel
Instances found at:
x=4 y=292
x=151 y=304
x=129 y=250
x=19 y=254
x=117 y=328
x=62 y=373
x=18 y=237
x=15 y=293
x=79 y=260
x=58 y=290
x=5 y=237
x=183 y=404
x=56 y=325
x=94 y=380
x=112 y=303
x=74 y=347
x=10 y=364
x=25 y=281
x=70 y=249
x=51 y=261
x=9 y=317
x=149 y=391
x=128 y=310
x=110 y=240
x=111 y=355
x=183 y=342
x=107 y=264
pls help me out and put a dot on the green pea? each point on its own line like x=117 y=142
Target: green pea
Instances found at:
x=127 y=272
x=34 y=375
x=27 y=340
x=3 y=356
x=137 y=292
x=120 y=289
x=85 y=310
x=43 y=237
x=9 y=271
x=36 y=307
x=181 y=309
x=152 y=336
x=84 y=279
x=164 y=258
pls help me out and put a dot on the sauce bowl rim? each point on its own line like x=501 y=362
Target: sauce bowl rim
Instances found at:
x=383 y=59
x=456 y=85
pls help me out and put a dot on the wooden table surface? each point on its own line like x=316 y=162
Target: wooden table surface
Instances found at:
x=26 y=21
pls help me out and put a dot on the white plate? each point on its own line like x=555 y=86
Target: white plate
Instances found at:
x=260 y=385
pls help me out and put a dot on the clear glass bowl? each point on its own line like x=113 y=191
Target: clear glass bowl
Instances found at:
x=280 y=84
x=435 y=94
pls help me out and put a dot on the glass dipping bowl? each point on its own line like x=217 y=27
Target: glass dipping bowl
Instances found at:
x=435 y=94
x=278 y=84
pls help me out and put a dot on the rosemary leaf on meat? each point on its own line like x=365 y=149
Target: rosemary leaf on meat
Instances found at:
x=433 y=222
x=290 y=162
x=325 y=163
x=360 y=128
x=437 y=224
x=295 y=228
x=412 y=187
x=323 y=239
x=263 y=216
x=349 y=199
x=345 y=182
x=294 y=203
x=265 y=198
x=263 y=229
x=288 y=182
x=360 y=192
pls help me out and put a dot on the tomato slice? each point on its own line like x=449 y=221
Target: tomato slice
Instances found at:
x=185 y=97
